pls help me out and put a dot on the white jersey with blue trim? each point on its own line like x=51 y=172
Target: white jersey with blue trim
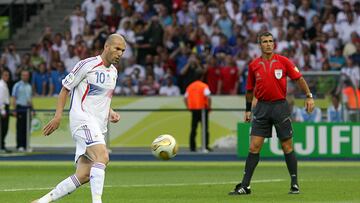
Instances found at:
x=91 y=85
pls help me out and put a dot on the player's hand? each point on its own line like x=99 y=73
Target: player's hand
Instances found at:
x=247 y=116
x=309 y=105
x=51 y=126
x=114 y=117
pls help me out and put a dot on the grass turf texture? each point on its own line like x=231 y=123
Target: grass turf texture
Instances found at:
x=186 y=182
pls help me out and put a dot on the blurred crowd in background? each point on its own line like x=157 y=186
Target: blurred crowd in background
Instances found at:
x=169 y=40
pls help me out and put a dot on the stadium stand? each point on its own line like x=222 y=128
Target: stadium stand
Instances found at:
x=173 y=38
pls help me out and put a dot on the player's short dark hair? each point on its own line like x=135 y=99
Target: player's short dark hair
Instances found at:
x=263 y=34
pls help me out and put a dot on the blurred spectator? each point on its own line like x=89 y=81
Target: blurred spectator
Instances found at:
x=307 y=12
x=88 y=36
x=106 y=7
x=224 y=22
x=259 y=22
x=128 y=88
x=313 y=117
x=35 y=58
x=286 y=4
x=229 y=77
x=147 y=13
x=142 y=43
x=207 y=24
x=81 y=49
x=156 y=34
x=165 y=18
x=212 y=74
x=352 y=71
x=98 y=24
x=337 y=61
x=134 y=70
x=188 y=73
x=223 y=48
x=4 y=108
x=11 y=58
x=96 y=48
x=357 y=10
x=115 y=4
x=350 y=47
x=68 y=38
x=351 y=99
x=158 y=68
x=112 y=20
x=40 y=81
x=356 y=56
x=72 y=60
x=183 y=15
x=60 y=46
x=149 y=86
x=22 y=103
x=47 y=34
x=169 y=89
x=25 y=65
x=341 y=15
x=330 y=25
x=46 y=51
x=335 y=112
x=77 y=22
x=346 y=28
x=307 y=61
x=56 y=77
x=127 y=32
x=89 y=7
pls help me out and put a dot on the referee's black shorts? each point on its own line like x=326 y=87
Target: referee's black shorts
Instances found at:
x=267 y=114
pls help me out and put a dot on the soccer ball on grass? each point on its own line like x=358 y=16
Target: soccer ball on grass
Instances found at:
x=164 y=147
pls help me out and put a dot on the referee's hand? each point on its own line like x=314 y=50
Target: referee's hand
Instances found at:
x=309 y=105
x=247 y=116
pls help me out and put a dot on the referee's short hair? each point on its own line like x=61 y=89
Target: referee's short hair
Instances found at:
x=263 y=34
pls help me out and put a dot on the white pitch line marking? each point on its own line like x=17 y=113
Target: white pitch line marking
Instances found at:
x=149 y=185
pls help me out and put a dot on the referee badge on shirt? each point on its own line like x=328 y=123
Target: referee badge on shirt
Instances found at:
x=278 y=73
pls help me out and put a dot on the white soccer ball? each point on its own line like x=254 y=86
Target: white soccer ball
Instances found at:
x=164 y=147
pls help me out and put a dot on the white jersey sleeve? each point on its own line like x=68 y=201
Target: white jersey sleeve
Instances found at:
x=77 y=74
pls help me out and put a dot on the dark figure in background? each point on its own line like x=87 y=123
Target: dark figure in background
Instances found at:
x=196 y=98
x=4 y=108
x=22 y=103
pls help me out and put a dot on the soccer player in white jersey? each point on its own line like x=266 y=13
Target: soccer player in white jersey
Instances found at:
x=91 y=84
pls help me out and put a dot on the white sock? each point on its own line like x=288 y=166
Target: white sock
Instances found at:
x=97 y=177
x=65 y=187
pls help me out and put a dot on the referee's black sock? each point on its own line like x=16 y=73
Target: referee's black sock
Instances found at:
x=251 y=162
x=291 y=164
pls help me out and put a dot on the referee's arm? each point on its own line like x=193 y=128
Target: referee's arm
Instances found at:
x=309 y=102
x=248 y=97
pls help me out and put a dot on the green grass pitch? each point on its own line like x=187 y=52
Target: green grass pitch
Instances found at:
x=186 y=182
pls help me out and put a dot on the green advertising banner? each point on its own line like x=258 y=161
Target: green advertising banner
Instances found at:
x=4 y=28
x=311 y=140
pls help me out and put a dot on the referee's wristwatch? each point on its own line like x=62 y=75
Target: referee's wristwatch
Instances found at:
x=309 y=95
